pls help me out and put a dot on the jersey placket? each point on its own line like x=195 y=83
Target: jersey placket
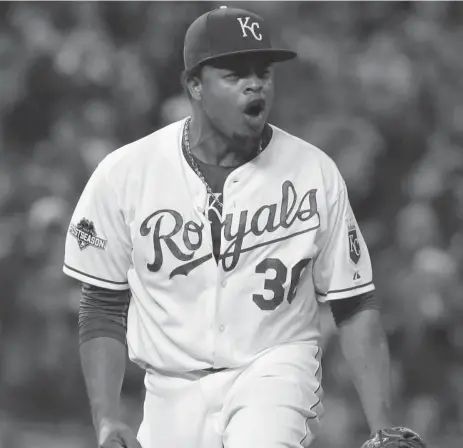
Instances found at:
x=218 y=325
x=223 y=354
x=211 y=287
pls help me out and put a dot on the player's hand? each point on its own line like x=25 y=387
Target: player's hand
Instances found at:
x=116 y=434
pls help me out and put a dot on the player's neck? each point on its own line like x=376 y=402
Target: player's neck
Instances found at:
x=212 y=147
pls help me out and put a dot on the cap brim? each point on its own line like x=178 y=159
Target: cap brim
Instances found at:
x=272 y=54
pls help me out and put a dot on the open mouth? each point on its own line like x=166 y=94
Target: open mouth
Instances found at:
x=255 y=108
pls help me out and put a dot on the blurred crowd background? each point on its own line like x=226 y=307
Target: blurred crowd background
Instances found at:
x=378 y=86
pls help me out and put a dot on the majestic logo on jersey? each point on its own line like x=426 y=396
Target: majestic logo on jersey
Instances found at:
x=245 y=27
x=167 y=223
x=85 y=234
x=354 y=245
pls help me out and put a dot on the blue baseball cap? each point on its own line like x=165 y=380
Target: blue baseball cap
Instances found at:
x=229 y=31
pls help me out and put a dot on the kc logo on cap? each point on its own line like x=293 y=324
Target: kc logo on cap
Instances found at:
x=229 y=31
x=251 y=28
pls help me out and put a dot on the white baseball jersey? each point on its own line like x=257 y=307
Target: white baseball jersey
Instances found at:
x=289 y=239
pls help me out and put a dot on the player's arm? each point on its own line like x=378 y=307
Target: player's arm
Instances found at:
x=98 y=254
x=102 y=333
x=365 y=349
x=343 y=277
x=364 y=345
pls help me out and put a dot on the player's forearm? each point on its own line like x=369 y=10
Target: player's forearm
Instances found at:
x=365 y=348
x=103 y=362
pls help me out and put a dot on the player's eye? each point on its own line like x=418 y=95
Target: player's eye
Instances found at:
x=232 y=76
x=264 y=72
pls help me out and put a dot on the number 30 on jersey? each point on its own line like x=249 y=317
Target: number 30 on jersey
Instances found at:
x=276 y=283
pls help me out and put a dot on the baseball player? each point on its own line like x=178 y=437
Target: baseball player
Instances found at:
x=205 y=248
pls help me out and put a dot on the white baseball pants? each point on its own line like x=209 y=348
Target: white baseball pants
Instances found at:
x=274 y=402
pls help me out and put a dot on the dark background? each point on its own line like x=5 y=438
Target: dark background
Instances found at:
x=378 y=86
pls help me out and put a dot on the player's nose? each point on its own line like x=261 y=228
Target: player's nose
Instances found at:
x=254 y=83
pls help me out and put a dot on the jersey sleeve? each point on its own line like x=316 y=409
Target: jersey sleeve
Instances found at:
x=342 y=268
x=98 y=245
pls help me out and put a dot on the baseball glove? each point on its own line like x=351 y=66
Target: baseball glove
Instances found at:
x=397 y=437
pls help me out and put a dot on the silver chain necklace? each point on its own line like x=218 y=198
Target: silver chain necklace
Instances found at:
x=193 y=163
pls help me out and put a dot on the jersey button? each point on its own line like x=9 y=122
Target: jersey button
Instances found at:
x=223 y=283
x=221 y=328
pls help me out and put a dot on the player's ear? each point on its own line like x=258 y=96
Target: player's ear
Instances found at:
x=195 y=83
x=194 y=87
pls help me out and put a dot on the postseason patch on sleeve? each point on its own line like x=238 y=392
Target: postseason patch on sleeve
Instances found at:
x=85 y=234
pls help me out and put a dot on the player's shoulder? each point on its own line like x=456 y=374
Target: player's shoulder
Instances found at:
x=304 y=151
x=156 y=144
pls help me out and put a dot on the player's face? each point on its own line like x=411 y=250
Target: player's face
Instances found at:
x=237 y=94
